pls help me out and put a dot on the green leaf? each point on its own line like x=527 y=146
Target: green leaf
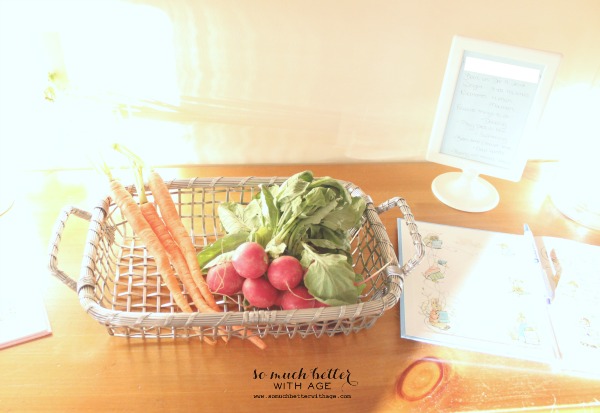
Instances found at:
x=294 y=187
x=330 y=278
x=270 y=212
x=252 y=215
x=232 y=217
x=346 y=217
x=338 y=238
x=262 y=235
x=334 y=184
x=323 y=243
x=317 y=204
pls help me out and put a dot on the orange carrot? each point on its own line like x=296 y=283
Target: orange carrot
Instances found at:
x=175 y=256
x=173 y=222
x=253 y=339
x=173 y=252
x=171 y=233
x=131 y=211
x=160 y=191
x=171 y=247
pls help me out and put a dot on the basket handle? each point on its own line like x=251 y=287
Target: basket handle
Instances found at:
x=412 y=227
x=55 y=240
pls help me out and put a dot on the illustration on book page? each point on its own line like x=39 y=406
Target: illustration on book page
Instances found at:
x=476 y=289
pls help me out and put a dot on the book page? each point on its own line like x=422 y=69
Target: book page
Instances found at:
x=23 y=315
x=22 y=318
x=476 y=290
x=575 y=310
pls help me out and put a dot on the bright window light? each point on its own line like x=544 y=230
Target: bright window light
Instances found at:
x=573 y=127
x=104 y=58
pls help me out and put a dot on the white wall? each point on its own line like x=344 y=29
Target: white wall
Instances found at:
x=272 y=81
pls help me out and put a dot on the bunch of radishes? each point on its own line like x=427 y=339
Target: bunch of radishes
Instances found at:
x=264 y=283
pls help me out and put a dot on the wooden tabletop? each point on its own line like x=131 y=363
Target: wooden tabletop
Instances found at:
x=82 y=368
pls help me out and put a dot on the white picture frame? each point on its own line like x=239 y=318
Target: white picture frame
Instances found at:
x=491 y=100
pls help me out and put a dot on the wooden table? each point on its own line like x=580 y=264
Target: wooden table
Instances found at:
x=81 y=368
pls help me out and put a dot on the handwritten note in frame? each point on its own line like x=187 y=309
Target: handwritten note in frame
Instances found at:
x=491 y=100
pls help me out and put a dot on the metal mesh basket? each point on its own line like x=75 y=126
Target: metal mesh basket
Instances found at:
x=119 y=286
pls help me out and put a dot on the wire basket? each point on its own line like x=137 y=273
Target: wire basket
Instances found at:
x=120 y=287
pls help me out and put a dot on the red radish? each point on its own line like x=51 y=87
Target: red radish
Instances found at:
x=278 y=300
x=285 y=272
x=250 y=260
x=224 y=279
x=259 y=292
x=297 y=298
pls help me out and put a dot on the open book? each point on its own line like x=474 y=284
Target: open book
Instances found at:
x=515 y=295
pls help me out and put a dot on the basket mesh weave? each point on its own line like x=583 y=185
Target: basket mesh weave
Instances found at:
x=120 y=287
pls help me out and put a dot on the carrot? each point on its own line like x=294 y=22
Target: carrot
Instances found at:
x=175 y=227
x=174 y=253
x=173 y=222
x=179 y=233
x=170 y=247
x=140 y=226
x=132 y=212
x=253 y=339
x=174 y=238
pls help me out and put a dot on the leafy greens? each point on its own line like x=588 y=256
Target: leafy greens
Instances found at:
x=305 y=217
